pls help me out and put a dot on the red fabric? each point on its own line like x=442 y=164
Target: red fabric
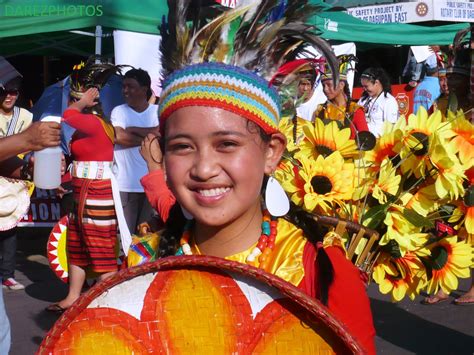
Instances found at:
x=157 y=193
x=92 y=228
x=347 y=297
x=89 y=142
x=360 y=124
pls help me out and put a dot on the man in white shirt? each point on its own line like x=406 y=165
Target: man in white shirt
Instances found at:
x=132 y=122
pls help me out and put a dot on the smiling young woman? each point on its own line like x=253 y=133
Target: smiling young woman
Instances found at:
x=218 y=118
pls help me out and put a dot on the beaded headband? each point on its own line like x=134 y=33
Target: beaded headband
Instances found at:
x=223 y=86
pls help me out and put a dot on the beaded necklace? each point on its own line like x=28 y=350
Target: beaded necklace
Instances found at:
x=264 y=247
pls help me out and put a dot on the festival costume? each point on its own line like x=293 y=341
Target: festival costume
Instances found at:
x=351 y=115
x=247 y=93
x=92 y=232
x=158 y=193
x=293 y=259
x=354 y=118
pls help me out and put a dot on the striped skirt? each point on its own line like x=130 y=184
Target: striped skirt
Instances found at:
x=92 y=230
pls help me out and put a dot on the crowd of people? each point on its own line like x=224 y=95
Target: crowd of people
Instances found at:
x=198 y=165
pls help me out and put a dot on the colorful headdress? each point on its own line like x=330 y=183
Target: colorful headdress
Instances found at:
x=89 y=75
x=227 y=62
x=346 y=62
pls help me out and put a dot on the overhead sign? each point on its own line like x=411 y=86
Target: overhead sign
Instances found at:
x=410 y=12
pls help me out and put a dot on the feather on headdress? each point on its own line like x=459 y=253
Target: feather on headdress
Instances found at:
x=90 y=74
x=258 y=36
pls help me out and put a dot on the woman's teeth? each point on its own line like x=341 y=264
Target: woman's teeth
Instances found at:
x=214 y=192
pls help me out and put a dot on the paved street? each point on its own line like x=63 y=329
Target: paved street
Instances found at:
x=404 y=328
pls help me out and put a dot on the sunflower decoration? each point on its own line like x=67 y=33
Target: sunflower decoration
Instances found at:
x=392 y=135
x=463 y=215
x=463 y=141
x=421 y=136
x=293 y=131
x=448 y=260
x=399 y=275
x=418 y=176
x=325 y=139
x=328 y=182
x=289 y=177
x=403 y=226
x=424 y=201
x=449 y=173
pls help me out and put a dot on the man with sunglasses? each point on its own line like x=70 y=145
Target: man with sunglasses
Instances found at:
x=13 y=120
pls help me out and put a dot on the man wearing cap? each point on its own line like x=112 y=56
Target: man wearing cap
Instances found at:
x=13 y=120
x=428 y=90
x=132 y=122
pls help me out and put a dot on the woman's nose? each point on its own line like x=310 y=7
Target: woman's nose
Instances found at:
x=205 y=166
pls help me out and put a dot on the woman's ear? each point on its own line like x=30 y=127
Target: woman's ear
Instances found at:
x=274 y=151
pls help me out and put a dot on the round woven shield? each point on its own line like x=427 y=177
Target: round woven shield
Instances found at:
x=56 y=249
x=197 y=305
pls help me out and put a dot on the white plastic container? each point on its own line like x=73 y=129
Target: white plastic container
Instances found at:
x=47 y=164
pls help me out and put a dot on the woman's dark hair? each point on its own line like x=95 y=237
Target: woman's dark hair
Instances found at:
x=174 y=228
x=373 y=74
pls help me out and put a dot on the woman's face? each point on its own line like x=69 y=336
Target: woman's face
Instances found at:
x=329 y=90
x=215 y=163
x=373 y=89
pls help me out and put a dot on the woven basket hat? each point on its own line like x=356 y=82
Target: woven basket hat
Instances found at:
x=14 y=202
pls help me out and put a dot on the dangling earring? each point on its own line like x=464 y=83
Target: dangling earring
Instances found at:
x=276 y=200
x=186 y=213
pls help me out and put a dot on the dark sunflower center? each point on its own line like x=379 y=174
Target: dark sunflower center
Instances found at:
x=321 y=184
x=323 y=150
x=469 y=196
x=439 y=255
x=422 y=147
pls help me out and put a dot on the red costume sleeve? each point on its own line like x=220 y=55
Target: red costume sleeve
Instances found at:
x=85 y=123
x=359 y=120
x=347 y=297
x=157 y=192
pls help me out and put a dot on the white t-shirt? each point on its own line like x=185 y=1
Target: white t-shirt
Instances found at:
x=379 y=110
x=130 y=166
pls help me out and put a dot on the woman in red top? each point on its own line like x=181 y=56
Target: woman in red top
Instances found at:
x=92 y=228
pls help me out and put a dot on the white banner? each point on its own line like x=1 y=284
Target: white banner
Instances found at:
x=420 y=11
x=141 y=51
x=456 y=11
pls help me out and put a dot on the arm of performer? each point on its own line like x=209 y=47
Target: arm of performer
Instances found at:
x=154 y=184
x=85 y=123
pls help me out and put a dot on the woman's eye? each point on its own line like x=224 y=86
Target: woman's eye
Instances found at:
x=228 y=144
x=178 y=147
